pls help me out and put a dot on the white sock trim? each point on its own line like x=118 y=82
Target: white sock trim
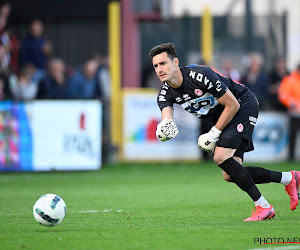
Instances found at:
x=262 y=202
x=286 y=178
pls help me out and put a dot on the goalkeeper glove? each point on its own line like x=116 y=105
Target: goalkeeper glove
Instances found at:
x=207 y=141
x=166 y=130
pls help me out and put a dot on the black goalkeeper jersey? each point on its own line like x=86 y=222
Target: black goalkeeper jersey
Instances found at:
x=199 y=92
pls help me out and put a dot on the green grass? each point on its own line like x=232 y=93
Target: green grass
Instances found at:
x=163 y=206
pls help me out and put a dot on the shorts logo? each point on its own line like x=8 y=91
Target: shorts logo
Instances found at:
x=198 y=92
x=240 y=127
x=252 y=120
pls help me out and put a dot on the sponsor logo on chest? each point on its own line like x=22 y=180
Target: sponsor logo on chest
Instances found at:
x=200 y=78
x=186 y=97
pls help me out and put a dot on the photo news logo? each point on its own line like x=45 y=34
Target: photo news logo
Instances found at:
x=280 y=240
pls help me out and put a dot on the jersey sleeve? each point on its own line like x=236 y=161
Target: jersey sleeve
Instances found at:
x=212 y=83
x=164 y=98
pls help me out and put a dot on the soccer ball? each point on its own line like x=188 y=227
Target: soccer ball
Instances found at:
x=49 y=210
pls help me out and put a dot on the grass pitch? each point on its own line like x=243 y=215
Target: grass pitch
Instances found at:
x=142 y=206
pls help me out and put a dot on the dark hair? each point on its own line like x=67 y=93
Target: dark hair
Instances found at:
x=165 y=47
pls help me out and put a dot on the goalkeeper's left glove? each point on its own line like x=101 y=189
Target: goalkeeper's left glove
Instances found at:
x=207 y=142
x=166 y=130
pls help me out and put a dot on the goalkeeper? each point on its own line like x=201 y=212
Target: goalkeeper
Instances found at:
x=232 y=109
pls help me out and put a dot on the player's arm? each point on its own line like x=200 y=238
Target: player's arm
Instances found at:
x=168 y=113
x=167 y=128
x=207 y=141
x=232 y=106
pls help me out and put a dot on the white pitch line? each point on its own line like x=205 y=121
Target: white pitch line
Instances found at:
x=276 y=248
x=98 y=211
x=89 y=211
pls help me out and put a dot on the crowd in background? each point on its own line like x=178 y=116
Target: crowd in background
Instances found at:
x=30 y=70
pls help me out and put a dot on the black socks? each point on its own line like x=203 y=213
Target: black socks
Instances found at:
x=262 y=175
x=241 y=177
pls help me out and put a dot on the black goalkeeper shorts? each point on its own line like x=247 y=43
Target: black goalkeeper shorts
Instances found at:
x=238 y=133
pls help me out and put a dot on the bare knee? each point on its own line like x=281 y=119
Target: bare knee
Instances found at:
x=219 y=158
x=226 y=176
x=238 y=159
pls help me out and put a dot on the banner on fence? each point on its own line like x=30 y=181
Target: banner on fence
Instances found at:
x=141 y=116
x=50 y=135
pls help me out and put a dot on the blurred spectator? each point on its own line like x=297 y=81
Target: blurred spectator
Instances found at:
x=55 y=83
x=35 y=49
x=5 y=44
x=8 y=39
x=22 y=87
x=4 y=60
x=278 y=72
x=256 y=79
x=103 y=76
x=289 y=91
x=229 y=70
x=4 y=64
x=37 y=74
x=14 y=51
x=5 y=93
x=5 y=9
x=289 y=96
x=83 y=82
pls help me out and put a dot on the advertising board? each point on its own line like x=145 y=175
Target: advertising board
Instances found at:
x=141 y=116
x=50 y=135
